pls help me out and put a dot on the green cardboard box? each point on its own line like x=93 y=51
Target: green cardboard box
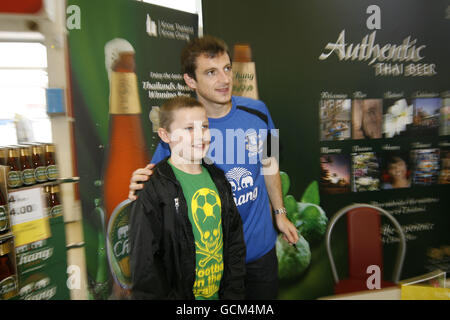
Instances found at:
x=47 y=283
x=44 y=253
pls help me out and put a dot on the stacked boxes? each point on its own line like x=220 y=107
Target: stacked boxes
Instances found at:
x=42 y=266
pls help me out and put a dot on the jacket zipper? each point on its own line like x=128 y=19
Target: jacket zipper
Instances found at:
x=186 y=222
x=177 y=204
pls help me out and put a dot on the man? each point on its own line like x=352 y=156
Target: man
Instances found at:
x=207 y=70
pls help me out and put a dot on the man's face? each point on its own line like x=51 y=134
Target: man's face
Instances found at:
x=189 y=135
x=372 y=118
x=214 y=79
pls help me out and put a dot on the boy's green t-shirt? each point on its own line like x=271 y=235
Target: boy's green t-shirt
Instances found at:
x=204 y=210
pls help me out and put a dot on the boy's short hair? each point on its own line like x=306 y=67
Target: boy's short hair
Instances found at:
x=208 y=45
x=171 y=105
x=394 y=159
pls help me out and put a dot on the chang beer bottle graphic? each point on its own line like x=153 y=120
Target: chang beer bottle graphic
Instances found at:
x=244 y=72
x=126 y=147
x=101 y=286
x=117 y=244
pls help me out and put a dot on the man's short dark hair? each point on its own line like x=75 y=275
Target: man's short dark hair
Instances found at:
x=207 y=45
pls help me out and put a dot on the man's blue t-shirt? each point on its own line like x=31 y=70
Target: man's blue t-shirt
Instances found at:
x=237 y=147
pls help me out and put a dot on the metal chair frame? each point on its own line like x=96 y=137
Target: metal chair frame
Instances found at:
x=401 y=248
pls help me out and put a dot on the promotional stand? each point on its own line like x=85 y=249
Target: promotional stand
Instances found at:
x=38 y=230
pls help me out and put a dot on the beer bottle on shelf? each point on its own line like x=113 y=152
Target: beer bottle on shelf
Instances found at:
x=8 y=283
x=47 y=200
x=126 y=148
x=3 y=155
x=38 y=161
x=50 y=162
x=244 y=72
x=4 y=218
x=26 y=166
x=14 y=174
x=54 y=202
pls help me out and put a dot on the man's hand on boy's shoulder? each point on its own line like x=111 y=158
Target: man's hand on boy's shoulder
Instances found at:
x=137 y=178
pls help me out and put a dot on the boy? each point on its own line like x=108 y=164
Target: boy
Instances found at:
x=186 y=234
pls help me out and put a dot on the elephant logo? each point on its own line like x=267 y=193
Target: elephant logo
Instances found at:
x=42 y=283
x=122 y=232
x=246 y=182
x=239 y=178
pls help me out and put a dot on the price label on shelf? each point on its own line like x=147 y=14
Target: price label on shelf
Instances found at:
x=29 y=219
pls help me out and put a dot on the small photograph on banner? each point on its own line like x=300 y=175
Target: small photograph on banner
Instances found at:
x=444 y=174
x=335 y=119
x=367 y=118
x=366 y=172
x=425 y=166
x=426 y=116
x=29 y=220
x=444 y=125
x=335 y=173
x=397 y=117
x=395 y=170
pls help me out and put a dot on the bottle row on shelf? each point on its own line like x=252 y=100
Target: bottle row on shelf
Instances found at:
x=29 y=163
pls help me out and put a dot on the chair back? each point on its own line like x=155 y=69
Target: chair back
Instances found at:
x=363 y=232
x=364 y=241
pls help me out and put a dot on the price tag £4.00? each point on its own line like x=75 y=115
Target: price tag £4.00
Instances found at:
x=28 y=216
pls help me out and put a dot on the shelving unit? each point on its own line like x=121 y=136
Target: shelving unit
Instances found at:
x=41 y=264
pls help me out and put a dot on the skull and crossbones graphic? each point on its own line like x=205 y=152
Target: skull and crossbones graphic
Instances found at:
x=206 y=213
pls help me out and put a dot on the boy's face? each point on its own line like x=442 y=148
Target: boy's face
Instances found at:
x=214 y=79
x=189 y=135
x=397 y=170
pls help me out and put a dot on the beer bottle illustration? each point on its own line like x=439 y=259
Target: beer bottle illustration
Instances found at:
x=102 y=288
x=126 y=149
x=99 y=283
x=244 y=72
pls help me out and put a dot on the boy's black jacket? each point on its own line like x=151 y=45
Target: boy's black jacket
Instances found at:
x=162 y=248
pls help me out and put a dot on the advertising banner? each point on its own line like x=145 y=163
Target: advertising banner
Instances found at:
x=125 y=62
x=360 y=93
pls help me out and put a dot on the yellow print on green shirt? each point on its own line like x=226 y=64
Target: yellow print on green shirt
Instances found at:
x=207 y=281
x=206 y=213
